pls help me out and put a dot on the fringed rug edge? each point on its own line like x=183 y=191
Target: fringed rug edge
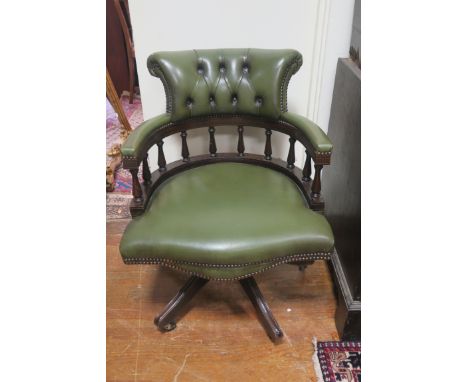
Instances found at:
x=316 y=362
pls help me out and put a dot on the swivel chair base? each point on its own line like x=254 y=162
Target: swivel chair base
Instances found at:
x=166 y=321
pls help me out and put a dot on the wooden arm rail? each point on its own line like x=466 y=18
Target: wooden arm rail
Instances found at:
x=158 y=134
x=302 y=177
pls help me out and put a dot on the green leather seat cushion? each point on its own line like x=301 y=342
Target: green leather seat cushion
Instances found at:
x=226 y=220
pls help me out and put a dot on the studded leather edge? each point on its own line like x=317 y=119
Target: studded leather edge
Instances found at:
x=324 y=155
x=271 y=263
x=132 y=161
x=292 y=69
x=321 y=155
x=178 y=265
x=156 y=70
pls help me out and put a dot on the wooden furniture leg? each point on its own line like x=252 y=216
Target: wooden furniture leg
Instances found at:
x=114 y=99
x=166 y=321
x=266 y=316
x=131 y=69
x=130 y=47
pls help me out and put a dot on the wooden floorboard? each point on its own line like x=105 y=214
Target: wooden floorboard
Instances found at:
x=220 y=337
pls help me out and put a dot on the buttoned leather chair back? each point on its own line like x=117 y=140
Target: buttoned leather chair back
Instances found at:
x=229 y=81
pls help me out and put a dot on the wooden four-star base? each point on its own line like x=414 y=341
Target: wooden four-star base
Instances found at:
x=166 y=321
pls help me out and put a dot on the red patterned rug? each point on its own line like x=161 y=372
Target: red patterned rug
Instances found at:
x=118 y=201
x=336 y=361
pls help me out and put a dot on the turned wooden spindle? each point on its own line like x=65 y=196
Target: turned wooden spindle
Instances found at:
x=136 y=187
x=316 y=184
x=240 y=142
x=268 y=144
x=185 y=151
x=291 y=155
x=307 y=170
x=212 y=141
x=161 y=157
x=146 y=170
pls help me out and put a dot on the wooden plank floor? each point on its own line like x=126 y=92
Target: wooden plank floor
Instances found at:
x=220 y=337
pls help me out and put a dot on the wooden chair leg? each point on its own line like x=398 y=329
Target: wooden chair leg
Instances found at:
x=166 y=321
x=266 y=316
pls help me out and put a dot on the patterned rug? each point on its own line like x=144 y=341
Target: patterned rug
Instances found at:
x=117 y=201
x=134 y=113
x=336 y=361
x=117 y=206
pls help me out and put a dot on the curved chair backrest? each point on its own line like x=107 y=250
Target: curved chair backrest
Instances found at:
x=225 y=81
x=238 y=87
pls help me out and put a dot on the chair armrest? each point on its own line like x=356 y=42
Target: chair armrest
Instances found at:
x=313 y=132
x=133 y=147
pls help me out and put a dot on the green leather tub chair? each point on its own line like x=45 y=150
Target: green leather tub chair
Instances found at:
x=226 y=216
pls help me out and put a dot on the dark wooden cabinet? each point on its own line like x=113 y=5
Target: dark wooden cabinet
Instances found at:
x=116 y=52
x=341 y=187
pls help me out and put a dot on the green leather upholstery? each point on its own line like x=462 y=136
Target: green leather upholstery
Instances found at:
x=314 y=133
x=226 y=221
x=225 y=81
x=135 y=141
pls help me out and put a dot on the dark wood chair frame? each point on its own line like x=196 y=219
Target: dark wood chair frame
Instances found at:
x=310 y=188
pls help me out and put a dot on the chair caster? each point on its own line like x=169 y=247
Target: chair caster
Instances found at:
x=266 y=316
x=165 y=327
x=166 y=321
x=168 y=327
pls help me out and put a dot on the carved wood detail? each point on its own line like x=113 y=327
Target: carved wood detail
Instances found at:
x=213 y=148
x=185 y=150
x=240 y=142
x=146 y=170
x=161 y=157
x=316 y=184
x=310 y=190
x=268 y=150
x=291 y=155
x=223 y=120
x=136 y=187
x=307 y=170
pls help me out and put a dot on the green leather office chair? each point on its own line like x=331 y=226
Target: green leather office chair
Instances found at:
x=226 y=216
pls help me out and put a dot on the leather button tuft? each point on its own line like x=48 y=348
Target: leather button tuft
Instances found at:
x=200 y=69
x=222 y=67
x=245 y=67
x=258 y=101
x=234 y=99
x=212 y=100
x=189 y=102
